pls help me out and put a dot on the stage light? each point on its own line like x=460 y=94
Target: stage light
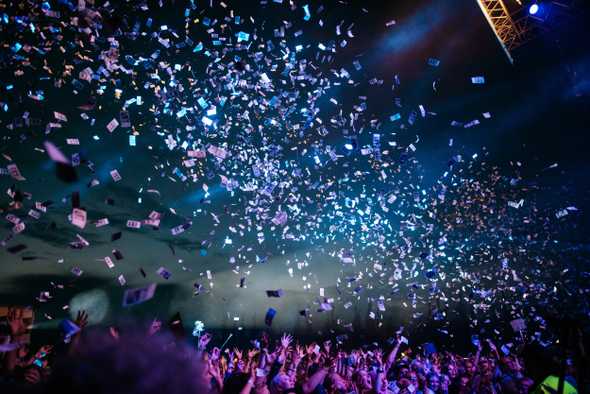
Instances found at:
x=349 y=146
x=199 y=327
x=533 y=9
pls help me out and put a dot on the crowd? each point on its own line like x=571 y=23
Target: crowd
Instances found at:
x=131 y=360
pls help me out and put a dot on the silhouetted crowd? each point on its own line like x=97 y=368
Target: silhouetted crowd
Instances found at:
x=135 y=360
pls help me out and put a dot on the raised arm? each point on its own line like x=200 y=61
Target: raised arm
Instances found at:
x=18 y=330
x=475 y=366
x=81 y=321
x=314 y=380
x=391 y=356
x=251 y=380
x=381 y=372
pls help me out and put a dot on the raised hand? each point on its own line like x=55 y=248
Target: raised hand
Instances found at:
x=238 y=353
x=215 y=354
x=491 y=345
x=204 y=340
x=298 y=353
x=286 y=340
x=252 y=353
x=214 y=370
x=47 y=349
x=81 y=319
x=378 y=356
x=15 y=321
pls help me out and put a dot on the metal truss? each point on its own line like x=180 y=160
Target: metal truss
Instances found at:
x=510 y=32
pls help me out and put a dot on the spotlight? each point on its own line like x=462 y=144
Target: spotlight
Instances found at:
x=540 y=10
x=199 y=327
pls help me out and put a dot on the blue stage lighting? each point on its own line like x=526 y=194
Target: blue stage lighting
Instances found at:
x=534 y=8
